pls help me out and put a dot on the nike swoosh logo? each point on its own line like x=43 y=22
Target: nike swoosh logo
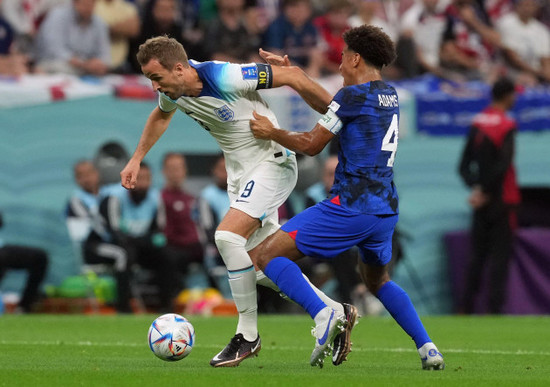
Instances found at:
x=323 y=339
x=242 y=201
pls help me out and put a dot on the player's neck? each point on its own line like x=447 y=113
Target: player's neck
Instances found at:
x=193 y=84
x=368 y=74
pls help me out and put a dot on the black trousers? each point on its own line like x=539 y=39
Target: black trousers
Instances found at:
x=492 y=235
x=140 y=251
x=34 y=261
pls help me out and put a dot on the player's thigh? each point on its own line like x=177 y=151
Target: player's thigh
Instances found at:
x=279 y=244
x=239 y=222
x=326 y=230
x=376 y=248
x=269 y=226
x=264 y=189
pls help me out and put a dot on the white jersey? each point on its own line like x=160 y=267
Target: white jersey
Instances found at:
x=224 y=108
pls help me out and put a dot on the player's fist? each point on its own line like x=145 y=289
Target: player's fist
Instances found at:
x=261 y=126
x=128 y=176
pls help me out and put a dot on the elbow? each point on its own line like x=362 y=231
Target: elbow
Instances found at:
x=312 y=149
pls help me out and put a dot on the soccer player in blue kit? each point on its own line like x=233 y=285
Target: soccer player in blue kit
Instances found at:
x=362 y=208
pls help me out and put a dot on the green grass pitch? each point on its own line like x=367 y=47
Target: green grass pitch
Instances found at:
x=78 y=350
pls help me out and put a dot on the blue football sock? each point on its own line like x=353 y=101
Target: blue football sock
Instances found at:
x=288 y=277
x=398 y=303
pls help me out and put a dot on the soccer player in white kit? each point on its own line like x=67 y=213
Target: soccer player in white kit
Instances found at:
x=221 y=97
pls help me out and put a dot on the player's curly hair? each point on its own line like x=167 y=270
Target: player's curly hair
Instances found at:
x=168 y=51
x=373 y=44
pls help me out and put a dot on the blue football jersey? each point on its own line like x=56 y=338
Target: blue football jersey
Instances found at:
x=369 y=114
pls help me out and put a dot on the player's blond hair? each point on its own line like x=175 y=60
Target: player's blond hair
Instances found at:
x=168 y=52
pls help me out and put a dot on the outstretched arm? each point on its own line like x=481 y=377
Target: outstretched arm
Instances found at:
x=309 y=143
x=286 y=75
x=156 y=125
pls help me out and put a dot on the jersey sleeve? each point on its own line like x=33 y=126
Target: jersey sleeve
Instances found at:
x=246 y=77
x=166 y=104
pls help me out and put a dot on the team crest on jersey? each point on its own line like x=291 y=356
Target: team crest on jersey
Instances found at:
x=225 y=113
x=249 y=72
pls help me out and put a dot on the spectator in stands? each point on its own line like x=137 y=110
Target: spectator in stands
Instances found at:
x=423 y=25
x=227 y=39
x=161 y=17
x=256 y=18
x=193 y=33
x=84 y=202
x=386 y=15
x=11 y=62
x=330 y=27
x=73 y=40
x=128 y=233
x=495 y=9
x=469 y=41
x=294 y=34
x=487 y=167
x=34 y=261
x=88 y=232
x=526 y=43
x=124 y=24
x=270 y=8
x=181 y=211
x=25 y=16
x=544 y=14
x=369 y=12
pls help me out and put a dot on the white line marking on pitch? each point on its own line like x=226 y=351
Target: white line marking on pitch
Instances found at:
x=274 y=347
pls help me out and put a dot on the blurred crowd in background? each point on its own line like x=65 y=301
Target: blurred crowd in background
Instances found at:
x=453 y=39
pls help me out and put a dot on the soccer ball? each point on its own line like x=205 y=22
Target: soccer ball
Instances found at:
x=171 y=337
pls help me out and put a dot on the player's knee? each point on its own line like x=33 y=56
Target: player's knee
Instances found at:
x=227 y=240
x=262 y=259
x=374 y=277
x=232 y=249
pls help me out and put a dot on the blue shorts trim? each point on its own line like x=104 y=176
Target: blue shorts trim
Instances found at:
x=327 y=230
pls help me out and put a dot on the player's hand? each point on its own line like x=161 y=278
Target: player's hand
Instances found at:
x=478 y=198
x=261 y=126
x=128 y=176
x=274 y=59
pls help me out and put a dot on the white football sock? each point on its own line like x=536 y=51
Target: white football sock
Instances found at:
x=243 y=288
x=263 y=280
x=242 y=280
x=326 y=299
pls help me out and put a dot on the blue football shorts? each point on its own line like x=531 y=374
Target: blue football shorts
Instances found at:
x=328 y=229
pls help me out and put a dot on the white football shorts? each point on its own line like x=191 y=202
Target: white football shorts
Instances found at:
x=264 y=188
